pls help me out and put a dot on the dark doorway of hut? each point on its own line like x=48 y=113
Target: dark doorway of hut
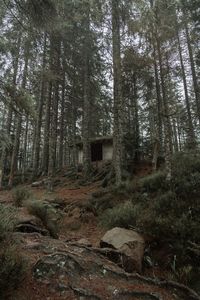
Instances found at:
x=96 y=152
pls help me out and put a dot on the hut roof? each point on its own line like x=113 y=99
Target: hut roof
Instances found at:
x=99 y=139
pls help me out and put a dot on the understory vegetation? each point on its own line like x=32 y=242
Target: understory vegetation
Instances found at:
x=20 y=194
x=166 y=210
x=12 y=264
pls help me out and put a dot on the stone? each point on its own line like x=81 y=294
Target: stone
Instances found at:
x=130 y=246
x=84 y=242
x=37 y=183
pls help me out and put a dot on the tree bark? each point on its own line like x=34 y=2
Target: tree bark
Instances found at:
x=36 y=162
x=86 y=97
x=191 y=134
x=118 y=154
x=10 y=111
x=193 y=69
x=165 y=112
x=24 y=159
x=62 y=118
x=45 y=156
x=14 y=159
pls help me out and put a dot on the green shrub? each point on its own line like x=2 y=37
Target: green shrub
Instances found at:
x=184 y=275
x=186 y=186
x=166 y=211
x=131 y=186
x=47 y=214
x=7 y=220
x=98 y=205
x=169 y=217
x=123 y=215
x=185 y=163
x=165 y=203
x=154 y=182
x=20 y=194
x=186 y=174
x=13 y=268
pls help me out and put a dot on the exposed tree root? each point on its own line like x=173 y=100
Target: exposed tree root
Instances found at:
x=140 y=295
x=84 y=293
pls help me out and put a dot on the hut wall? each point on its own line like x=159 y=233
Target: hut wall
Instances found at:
x=107 y=152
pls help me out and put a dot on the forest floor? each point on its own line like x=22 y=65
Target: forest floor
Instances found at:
x=75 y=226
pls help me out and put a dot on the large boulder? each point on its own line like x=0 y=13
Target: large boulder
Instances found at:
x=130 y=246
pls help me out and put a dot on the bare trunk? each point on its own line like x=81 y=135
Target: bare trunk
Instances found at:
x=191 y=135
x=15 y=152
x=45 y=156
x=86 y=104
x=55 y=101
x=193 y=69
x=167 y=124
x=24 y=161
x=40 y=113
x=166 y=117
x=118 y=154
x=136 y=121
x=62 y=113
x=10 y=112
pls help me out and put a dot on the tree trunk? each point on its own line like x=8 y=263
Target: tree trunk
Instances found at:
x=159 y=133
x=40 y=113
x=55 y=101
x=159 y=102
x=167 y=124
x=14 y=159
x=176 y=146
x=136 y=121
x=166 y=117
x=10 y=111
x=24 y=160
x=191 y=135
x=118 y=154
x=62 y=118
x=86 y=98
x=193 y=69
x=45 y=156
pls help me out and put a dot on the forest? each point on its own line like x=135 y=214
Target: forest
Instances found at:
x=99 y=149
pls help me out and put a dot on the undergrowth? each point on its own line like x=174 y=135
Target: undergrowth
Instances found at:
x=7 y=220
x=166 y=210
x=20 y=194
x=13 y=267
x=12 y=264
